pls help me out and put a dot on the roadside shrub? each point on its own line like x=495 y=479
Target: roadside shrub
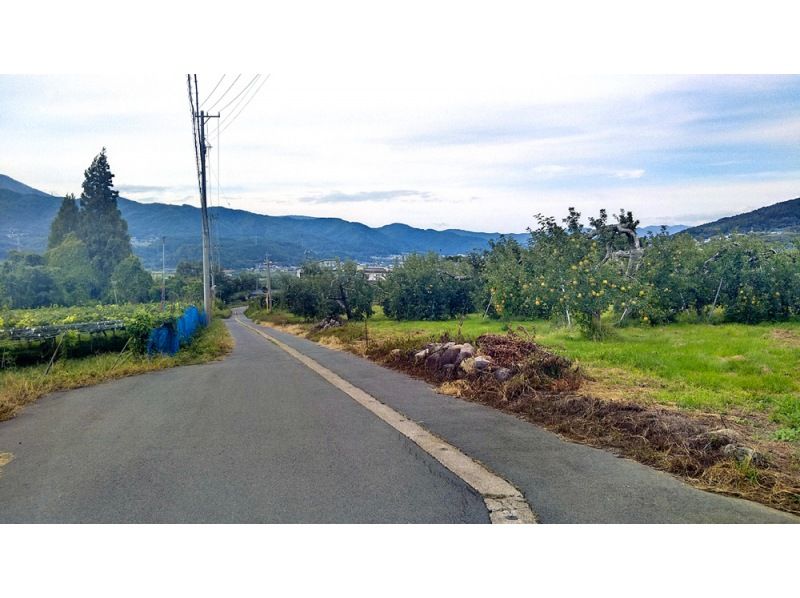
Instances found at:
x=428 y=287
x=714 y=314
x=138 y=327
x=329 y=292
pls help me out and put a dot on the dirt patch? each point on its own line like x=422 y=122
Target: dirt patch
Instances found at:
x=788 y=338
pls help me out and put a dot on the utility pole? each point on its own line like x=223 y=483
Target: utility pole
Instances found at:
x=269 y=286
x=163 y=274
x=201 y=119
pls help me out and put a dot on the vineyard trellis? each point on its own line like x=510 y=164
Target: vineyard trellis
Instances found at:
x=38 y=333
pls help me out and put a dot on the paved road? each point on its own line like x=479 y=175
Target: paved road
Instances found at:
x=260 y=438
x=254 y=438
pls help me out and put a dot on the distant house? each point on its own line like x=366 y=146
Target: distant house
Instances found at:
x=375 y=273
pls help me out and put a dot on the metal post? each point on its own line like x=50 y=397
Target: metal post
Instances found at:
x=163 y=274
x=269 y=286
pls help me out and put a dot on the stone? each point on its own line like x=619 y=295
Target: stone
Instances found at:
x=466 y=352
x=448 y=369
x=450 y=354
x=395 y=352
x=743 y=454
x=420 y=355
x=482 y=362
x=432 y=362
x=722 y=437
x=502 y=374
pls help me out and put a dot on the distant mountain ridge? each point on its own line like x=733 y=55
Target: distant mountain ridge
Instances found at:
x=9 y=184
x=779 y=217
x=672 y=229
x=240 y=238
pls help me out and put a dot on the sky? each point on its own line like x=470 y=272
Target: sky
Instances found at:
x=675 y=150
x=450 y=131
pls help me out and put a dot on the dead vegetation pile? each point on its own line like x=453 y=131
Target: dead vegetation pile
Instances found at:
x=533 y=368
x=542 y=387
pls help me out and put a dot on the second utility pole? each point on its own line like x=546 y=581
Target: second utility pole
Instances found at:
x=269 y=286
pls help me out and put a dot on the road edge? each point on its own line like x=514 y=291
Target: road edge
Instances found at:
x=505 y=502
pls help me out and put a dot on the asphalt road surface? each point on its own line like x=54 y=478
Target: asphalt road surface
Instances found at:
x=256 y=438
x=260 y=438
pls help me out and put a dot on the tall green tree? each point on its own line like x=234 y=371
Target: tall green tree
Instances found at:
x=130 y=282
x=68 y=264
x=66 y=221
x=102 y=227
x=26 y=282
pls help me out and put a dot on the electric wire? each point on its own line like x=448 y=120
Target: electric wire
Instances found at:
x=235 y=107
x=194 y=131
x=224 y=94
x=246 y=87
x=213 y=90
x=236 y=115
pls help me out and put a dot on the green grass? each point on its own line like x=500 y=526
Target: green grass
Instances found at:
x=20 y=386
x=715 y=368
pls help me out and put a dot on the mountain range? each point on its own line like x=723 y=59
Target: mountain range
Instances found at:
x=241 y=239
x=783 y=217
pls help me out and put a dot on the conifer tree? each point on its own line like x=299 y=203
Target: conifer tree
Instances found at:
x=102 y=227
x=65 y=222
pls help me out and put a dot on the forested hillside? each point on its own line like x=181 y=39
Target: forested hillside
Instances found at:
x=779 y=217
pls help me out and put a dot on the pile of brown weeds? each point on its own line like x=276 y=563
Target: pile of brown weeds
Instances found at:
x=533 y=367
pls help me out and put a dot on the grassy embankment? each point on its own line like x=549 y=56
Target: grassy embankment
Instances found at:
x=20 y=386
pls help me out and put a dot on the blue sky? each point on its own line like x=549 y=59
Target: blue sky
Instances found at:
x=476 y=155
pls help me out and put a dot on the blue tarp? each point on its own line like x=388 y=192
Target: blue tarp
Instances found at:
x=169 y=337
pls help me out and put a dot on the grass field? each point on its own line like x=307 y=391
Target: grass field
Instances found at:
x=727 y=368
x=20 y=386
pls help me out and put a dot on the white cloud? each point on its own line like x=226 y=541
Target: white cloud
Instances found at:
x=385 y=149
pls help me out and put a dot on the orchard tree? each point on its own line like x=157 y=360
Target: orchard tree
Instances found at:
x=323 y=292
x=428 y=287
x=570 y=272
x=751 y=280
x=351 y=291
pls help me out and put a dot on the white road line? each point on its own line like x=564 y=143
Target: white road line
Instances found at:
x=504 y=502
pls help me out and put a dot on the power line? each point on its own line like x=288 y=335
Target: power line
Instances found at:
x=237 y=104
x=240 y=93
x=235 y=116
x=194 y=129
x=225 y=93
x=213 y=90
